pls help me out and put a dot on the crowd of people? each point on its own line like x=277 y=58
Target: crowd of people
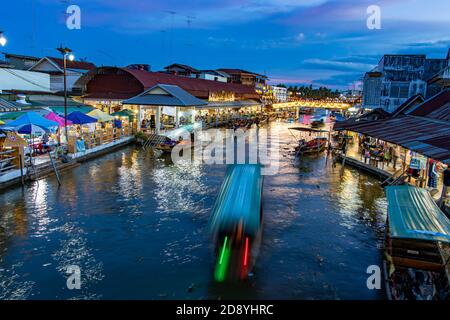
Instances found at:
x=380 y=152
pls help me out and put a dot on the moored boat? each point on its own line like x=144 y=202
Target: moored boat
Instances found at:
x=417 y=246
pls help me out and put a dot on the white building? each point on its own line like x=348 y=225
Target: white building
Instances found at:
x=21 y=80
x=213 y=75
x=55 y=68
x=280 y=94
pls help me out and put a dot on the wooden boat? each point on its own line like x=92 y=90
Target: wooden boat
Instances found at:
x=417 y=246
x=315 y=145
x=236 y=222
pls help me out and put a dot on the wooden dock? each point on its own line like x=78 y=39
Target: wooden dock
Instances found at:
x=382 y=174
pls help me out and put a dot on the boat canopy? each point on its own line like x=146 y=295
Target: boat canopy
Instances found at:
x=183 y=131
x=413 y=214
x=239 y=199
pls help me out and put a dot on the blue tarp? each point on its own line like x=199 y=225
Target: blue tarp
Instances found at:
x=78 y=117
x=413 y=214
x=239 y=199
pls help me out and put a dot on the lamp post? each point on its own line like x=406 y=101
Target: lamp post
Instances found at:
x=67 y=53
x=2 y=39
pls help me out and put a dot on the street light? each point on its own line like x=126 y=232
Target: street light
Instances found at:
x=67 y=53
x=2 y=39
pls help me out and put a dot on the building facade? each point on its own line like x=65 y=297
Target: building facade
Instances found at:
x=55 y=68
x=399 y=77
x=280 y=94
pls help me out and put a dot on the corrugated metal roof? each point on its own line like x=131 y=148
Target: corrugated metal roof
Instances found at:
x=425 y=129
x=7 y=106
x=413 y=214
x=171 y=96
x=420 y=134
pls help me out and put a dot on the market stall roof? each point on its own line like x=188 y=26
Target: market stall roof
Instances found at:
x=123 y=113
x=165 y=95
x=426 y=136
x=239 y=199
x=78 y=117
x=100 y=115
x=413 y=214
x=231 y=104
x=60 y=120
x=32 y=118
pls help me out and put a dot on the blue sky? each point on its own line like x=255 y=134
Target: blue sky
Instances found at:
x=292 y=41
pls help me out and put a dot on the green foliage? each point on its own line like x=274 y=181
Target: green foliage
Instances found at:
x=140 y=135
x=308 y=92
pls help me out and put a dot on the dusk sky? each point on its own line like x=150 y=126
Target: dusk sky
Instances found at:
x=292 y=41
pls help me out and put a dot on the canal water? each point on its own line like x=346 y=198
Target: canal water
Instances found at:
x=137 y=227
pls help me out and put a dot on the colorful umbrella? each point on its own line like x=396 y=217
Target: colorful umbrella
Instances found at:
x=30 y=119
x=60 y=120
x=100 y=115
x=78 y=117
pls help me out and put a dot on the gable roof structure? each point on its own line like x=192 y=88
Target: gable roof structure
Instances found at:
x=58 y=63
x=166 y=95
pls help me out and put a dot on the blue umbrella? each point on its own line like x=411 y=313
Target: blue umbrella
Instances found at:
x=32 y=118
x=78 y=117
x=31 y=129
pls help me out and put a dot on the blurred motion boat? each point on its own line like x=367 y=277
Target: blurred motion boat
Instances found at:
x=417 y=246
x=236 y=222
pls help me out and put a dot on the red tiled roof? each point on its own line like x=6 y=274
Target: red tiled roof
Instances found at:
x=197 y=87
x=79 y=65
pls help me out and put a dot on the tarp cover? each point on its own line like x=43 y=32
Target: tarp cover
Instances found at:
x=413 y=214
x=239 y=199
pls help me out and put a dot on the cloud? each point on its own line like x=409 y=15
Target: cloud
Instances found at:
x=338 y=65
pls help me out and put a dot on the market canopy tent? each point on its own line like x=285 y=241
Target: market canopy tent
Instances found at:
x=30 y=122
x=123 y=113
x=100 y=115
x=78 y=117
x=413 y=214
x=60 y=120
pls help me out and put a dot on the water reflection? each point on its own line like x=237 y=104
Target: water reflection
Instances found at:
x=137 y=227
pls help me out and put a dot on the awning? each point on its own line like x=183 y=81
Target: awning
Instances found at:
x=413 y=214
x=423 y=135
x=231 y=104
